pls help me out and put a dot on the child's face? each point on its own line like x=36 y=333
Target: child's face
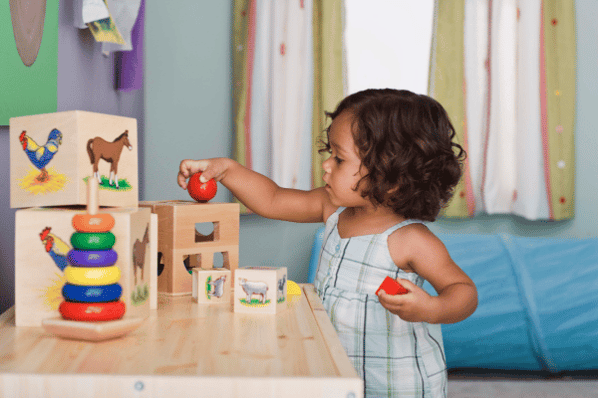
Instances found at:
x=343 y=168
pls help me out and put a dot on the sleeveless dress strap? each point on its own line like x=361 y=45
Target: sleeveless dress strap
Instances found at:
x=400 y=225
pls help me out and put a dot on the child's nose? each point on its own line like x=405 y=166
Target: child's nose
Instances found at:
x=326 y=165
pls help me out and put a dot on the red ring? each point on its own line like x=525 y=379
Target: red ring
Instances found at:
x=91 y=312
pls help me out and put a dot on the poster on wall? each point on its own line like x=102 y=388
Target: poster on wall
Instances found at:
x=28 y=58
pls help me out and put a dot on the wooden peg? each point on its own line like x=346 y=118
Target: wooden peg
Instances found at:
x=92 y=196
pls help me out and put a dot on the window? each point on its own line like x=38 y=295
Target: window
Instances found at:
x=388 y=44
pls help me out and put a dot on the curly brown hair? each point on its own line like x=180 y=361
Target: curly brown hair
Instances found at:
x=405 y=142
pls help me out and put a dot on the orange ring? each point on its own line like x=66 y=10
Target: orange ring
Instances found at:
x=93 y=222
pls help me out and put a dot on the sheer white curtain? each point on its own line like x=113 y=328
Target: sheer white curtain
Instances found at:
x=281 y=92
x=502 y=80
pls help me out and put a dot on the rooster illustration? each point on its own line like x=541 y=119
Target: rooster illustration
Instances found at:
x=40 y=156
x=56 y=247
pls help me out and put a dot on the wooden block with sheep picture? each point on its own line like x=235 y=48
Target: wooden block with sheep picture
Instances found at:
x=260 y=290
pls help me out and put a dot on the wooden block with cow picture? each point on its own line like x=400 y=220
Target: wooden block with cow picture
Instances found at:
x=52 y=156
x=43 y=240
x=211 y=286
x=260 y=290
x=193 y=235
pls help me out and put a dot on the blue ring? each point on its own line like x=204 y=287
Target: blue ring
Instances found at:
x=91 y=294
x=92 y=258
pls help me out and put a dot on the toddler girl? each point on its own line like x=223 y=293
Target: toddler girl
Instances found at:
x=393 y=165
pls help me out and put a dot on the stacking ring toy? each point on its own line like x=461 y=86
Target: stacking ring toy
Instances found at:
x=93 y=222
x=91 y=294
x=89 y=312
x=96 y=276
x=92 y=258
x=93 y=241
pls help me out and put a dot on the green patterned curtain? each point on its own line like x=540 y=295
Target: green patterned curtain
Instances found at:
x=558 y=119
x=551 y=24
x=447 y=85
x=329 y=74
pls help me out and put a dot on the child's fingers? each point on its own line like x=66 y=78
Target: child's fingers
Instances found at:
x=182 y=180
x=391 y=301
x=203 y=166
x=212 y=169
x=189 y=167
x=407 y=284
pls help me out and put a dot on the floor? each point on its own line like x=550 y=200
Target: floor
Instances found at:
x=522 y=389
x=475 y=384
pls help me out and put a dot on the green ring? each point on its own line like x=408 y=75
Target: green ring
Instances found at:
x=93 y=240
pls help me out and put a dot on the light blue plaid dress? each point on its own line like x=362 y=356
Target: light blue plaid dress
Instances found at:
x=395 y=358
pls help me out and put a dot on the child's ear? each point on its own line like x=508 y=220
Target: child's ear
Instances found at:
x=393 y=190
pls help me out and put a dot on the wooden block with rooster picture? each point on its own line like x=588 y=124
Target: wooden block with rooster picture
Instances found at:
x=52 y=155
x=49 y=250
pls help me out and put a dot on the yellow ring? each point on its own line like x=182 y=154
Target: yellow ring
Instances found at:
x=92 y=276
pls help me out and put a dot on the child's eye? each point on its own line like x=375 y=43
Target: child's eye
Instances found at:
x=338 y=160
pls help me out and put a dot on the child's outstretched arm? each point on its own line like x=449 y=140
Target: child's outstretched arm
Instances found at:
x=425 y=254
x=259 y=193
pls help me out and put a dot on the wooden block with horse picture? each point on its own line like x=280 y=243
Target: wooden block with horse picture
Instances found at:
x=52 y=155
x=48 y=250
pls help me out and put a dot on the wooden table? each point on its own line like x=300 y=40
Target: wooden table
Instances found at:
x=186 y=349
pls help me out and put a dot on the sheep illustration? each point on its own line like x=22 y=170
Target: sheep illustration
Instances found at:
x=254 y=288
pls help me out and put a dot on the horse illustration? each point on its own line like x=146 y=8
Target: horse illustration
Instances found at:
x=139 y=248
x=98 y=148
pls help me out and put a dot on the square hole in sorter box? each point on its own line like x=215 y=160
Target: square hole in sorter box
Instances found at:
x=192 y=261
x=207 y=232
x=218 y=261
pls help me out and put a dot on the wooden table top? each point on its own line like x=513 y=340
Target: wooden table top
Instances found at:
x=187 y=348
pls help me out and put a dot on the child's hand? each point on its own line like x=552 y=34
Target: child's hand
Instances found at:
x=414 y=306
x=210 y=168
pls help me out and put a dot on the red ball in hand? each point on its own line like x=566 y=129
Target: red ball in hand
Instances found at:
x=201 y=191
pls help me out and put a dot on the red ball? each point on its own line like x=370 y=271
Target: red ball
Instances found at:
x=201 y=192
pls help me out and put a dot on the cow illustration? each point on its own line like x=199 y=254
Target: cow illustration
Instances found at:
x=281 y=285
x=216 y=288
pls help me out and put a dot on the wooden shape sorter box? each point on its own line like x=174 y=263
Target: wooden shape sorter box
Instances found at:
x=53 y=154
x=179 y=240
x=211 y=286
x=42 y=241
x=260 y=290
